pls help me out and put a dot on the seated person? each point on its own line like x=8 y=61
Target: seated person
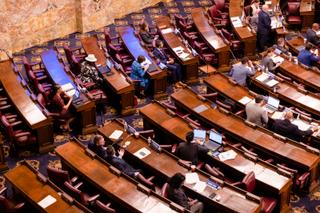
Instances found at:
x=177 y=194
x=60 y=103
x=175 y=68
x=139 y=72
x=98 y=146
x=290 y=130
x=191 y=150
x=312 y=34
x=145 y=34
x=267 y=61
x=306 y=56
x=255 y=111
x=241 y=71
x=89 y=72
x=281 y=45
x=123 y=166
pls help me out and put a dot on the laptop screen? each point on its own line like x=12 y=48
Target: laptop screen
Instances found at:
x=216 y=137
x=198 y=133
x=273 y=102
x=277 y=51
x=109 y=64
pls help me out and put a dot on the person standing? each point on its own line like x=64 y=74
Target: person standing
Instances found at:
x=264 y=28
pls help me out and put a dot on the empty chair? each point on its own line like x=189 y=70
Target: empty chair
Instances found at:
x=248 y=183
x=8 y=206
x=293 y=13
x=104 y=208
x=205 y=53
x=80 y=196
x=234 y=43
x=116 y=41
x=59 y=176
x=186 y=28
x=300 y=181
x=76 y=52
x=113 y=51
x=222 y=6
x=35 y=66
x=216 y=18
x=40 y=80
x=125 y=63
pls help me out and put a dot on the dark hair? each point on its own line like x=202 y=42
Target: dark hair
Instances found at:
x=158 y=43
x=189 y=136
x=258 y=99
x=110 y=150
x=97 y=138
x=141 y=59
x=244 y=60
x=54 y=91
x=255 y=1
x=176 y=180
x=308 y=46
x=143 y=26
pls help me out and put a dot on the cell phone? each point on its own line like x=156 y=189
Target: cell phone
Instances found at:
x=212 y=195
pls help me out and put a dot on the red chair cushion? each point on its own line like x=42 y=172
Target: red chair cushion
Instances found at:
x=268 y=204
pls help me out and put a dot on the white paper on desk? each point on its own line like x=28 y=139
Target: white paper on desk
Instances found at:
x=47 y=201
x=272 y=83
x=236 y=21
x=277 y=59
x=228 y=155
x=71 y=92
x=146 y=62
x=178 y=49
x=167 y=30
x=160 y=207
x=301 y=124
x=116 y=134
x=192 y=178
x=200 y=108
x=200 y=186
x=277 y=115
x=268 y=2
x=142 y=153
x=183 y=55
x=67 y=87
x=245 y=100
x=262 y=77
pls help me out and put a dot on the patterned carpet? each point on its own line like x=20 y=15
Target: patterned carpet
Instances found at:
x=300 y=203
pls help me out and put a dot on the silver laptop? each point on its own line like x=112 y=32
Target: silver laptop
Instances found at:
x=215 y=141
x=272 y=104
x=200 y=135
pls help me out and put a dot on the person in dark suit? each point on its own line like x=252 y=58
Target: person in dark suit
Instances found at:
x=123 y=166
x=312 y=34
x=286 y=128
x=175 y=68
x=264 y=28
x=177 y=194
x=97 y=146
x=146 y=35
x=306 y=55
x=191 y=150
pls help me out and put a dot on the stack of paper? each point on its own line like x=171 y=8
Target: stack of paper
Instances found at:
x=236 y=21
x=200 y=108
x=228 y=155
x=301 y=124
x=262 y=77
x=160 y=207
x=272 y=83
x=192 y=178
x=141 y=153
x=245 y=100
x=277 y=115
x=200 y=186
x=178 y=49
x=68 y=89
x=167 y=30
x=277 y=59
x=116 y=134
x=47 y=201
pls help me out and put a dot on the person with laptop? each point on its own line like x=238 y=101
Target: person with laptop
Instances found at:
x=282 y=47
x=191 y=150
x=255 y=111
x=286 y=128
x=267 y=61
x=139 y=72
x=240 y=72
x=89 y=72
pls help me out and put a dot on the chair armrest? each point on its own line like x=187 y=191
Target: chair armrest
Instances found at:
x=174 y=148
x=147 y=133
x=78 y=185
x=42 y=77
x=74 y=179
x=93 y=198
x=16 y=123
x=21 y=134
x=4 y=189
x=11 y=116
x=19 y=206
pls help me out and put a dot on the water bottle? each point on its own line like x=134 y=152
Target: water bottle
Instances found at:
x=125 y=126
x=149 y=140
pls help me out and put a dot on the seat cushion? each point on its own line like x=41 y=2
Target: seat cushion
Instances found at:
x=294 y=19
x=268 y=204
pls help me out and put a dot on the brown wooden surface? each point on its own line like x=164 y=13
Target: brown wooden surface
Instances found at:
x=265 y=174
x=295 y=44
x=212 y=39
x=257 y=137
x=120 y=188
x=26 y=182
x=29 y=111
x=190 y=64
x=167 y=165
x=307 y=11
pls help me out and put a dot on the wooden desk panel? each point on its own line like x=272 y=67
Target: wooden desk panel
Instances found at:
x=168 y=165
x=121 y=189
x=26 y=182
x=28 y=110
x=266 y=175
x=86 y=108
x=212 y=39
x=307 y=11
x=120 y=88
x=158 y=77
x=190 y=64
x=255 y=137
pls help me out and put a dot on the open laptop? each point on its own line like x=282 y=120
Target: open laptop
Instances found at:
x=215 y=141
x=272 y=104
x=199 y=135
x=107 y=68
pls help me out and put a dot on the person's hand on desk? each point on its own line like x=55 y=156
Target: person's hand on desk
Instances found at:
x=314 y=128
x=171 y=61
x=121 y=152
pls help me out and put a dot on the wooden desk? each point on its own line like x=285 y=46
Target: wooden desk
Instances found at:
x=28 y=110
x=86 y=108
x=189 y=64
x=120 y=88
x=307 y=10
x=119 y=188
x=290 y=93
x=214 y=41
x=261 y=139
x=244 y=33
x=296 y=44
x=266 y=174
x=3 y=163
x=167 y=165
x=158 y=77
x=24 y=179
